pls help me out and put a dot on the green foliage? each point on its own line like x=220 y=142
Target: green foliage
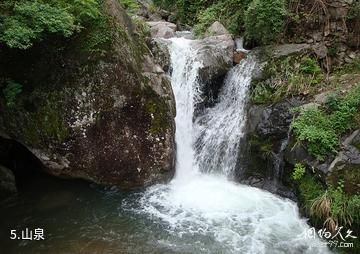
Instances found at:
x=314 y=128
x=230 y=13
x=203 y=13
x=23 y=23
x=299 y=172
x=309 y=190
x=11 y=91
x=207 y=17
x=264 y=20
x=289 y=76
x=310 y=66
x=329 y=207
x=130 y=5
x=261 y=93
x=186 y=10
x=353 y=207
x=320 y=129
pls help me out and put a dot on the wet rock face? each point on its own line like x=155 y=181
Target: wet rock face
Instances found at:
x=274 y=120
x=108 y=119
x=268 y=131
x=160 y=51
x=216 y=54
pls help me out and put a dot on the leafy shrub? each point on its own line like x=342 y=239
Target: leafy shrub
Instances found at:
x=354 y=12
x=130 y=5
x=309 y=190
x=25 y=22
x=299 y=171
x=264 y=20
x=261 y=93
x=310 y=66
x=230 y=13
x=314 y=128
x=320 y=129
x=207 y=17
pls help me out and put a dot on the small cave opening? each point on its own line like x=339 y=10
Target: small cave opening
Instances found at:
x=21 y=161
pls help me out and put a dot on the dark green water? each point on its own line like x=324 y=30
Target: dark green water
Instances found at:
x=77 y=217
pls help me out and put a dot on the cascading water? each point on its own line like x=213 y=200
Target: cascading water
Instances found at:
x=207 y=213
x=220 y=128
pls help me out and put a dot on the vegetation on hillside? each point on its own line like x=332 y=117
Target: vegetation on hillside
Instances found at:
x=262 y=21
x=329 y=207
x=22 y=23
x=287 y=76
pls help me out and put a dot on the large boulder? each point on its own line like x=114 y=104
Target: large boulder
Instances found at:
x=216 y=55
x=216 y=29
x=104 y=114
x=162 y=29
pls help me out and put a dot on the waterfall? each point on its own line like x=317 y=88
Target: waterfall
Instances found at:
x=186 y=90
x=220 y=128
x=202 y=210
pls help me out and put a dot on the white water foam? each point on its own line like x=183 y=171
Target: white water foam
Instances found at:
x=220 y=128
x=207 y=213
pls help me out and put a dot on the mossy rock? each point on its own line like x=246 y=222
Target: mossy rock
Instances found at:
x=87 y=109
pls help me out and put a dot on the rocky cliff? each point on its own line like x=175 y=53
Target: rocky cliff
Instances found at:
x=94 y=106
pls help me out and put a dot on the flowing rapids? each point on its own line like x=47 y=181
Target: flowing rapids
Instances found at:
x=201 y=208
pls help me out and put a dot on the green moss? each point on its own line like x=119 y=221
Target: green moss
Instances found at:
x=38 y=119
x=159 y=111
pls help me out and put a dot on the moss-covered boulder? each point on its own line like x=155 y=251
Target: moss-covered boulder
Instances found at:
x=94 y=106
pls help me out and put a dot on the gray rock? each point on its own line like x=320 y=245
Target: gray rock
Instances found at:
x=322 y=98
x=216 y=29
x=287 y=49
x=276 y=119
x=310 y=105
x=162 y=29
x=216 y=55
